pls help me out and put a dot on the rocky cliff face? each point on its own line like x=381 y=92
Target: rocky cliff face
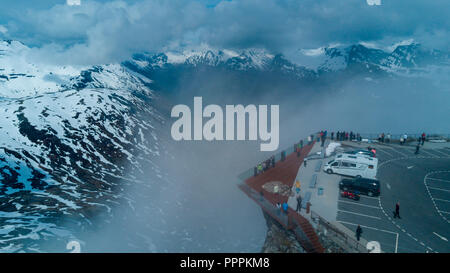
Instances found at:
x=278 y=239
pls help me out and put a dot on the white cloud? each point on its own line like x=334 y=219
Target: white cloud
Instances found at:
x=373 y=2
x=370 y=45
x=108 y=31
x=73 y=2
x=313 y=52
x=3 y=29
x=401 y=43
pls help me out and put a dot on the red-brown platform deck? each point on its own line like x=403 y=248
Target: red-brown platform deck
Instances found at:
x=284 y=172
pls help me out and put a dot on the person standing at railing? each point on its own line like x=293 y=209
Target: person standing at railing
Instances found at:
x=260 y=168
x=299 y=203
x=285 y=207
x=297 y=187
x=358 y=232
x=423 y=138
x=278 y=208
x=388 y=138
x=322 y=138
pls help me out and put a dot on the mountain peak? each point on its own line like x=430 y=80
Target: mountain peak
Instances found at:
x=401 y=58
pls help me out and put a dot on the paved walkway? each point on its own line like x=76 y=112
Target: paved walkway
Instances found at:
x=326 y=203
x=284 y=174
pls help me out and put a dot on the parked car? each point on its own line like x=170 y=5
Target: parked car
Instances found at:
x=353 y=165
x=361 y=152
x=370 y=187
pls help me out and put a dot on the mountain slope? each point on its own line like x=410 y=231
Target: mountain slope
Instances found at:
x=68 y=148
x=246 y=60
x=404 y=59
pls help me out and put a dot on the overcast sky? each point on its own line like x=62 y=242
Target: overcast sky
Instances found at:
x=110 y=30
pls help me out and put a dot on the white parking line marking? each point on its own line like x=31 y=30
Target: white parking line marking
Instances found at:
x=354 y=203
x=369 y=197
x=438 y=189
x=396 y=243
x=360 y=214
x=442 y=153
x=409 y=167
x=398 y=151
x=442 y=200
x=393 y=222
x=353 y=224
x=377 y=229
x=440 y=236
x=379 y=149
x=441 y=213
x=446 y=212
x=425 y=151
x=438 y=179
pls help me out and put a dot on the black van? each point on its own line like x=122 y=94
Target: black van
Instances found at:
x=370 y=187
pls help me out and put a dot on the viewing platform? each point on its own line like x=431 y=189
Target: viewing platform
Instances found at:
x=274 y=186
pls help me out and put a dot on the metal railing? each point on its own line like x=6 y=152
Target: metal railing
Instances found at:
x=288 y=150
x=372 y=136
x=285 y=219
x=396 y=137
x=346 y=241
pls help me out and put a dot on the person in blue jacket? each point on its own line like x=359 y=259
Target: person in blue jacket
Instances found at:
x=285 y=207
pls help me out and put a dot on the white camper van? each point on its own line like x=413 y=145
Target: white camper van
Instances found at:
x=353 y=165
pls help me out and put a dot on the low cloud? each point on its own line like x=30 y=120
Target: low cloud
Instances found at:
x=73 y=2
x=3 y=29
x=107 y=31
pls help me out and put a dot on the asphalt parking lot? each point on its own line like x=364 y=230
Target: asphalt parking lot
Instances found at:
x=421 y=184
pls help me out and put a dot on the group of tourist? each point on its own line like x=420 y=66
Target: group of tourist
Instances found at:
x=345 y=136
x=384 y=138
x=270 y=162
x=265 y=165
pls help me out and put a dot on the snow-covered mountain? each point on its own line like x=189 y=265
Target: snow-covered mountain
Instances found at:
x=70 y=137
x=245 y=60
x=403 y=59
x=19 y=77
x=68 y=146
